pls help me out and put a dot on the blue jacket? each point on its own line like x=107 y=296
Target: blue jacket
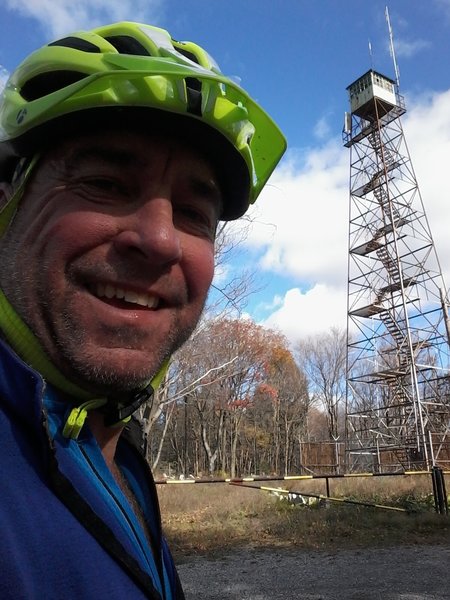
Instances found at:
x=67 y=530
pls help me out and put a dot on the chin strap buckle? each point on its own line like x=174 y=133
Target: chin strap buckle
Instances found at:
x=77 y=417
x=119 y=414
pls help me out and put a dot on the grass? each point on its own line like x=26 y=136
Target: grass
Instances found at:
x=216 y=518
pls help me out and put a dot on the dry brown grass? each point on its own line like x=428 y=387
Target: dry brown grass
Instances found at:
x=215 y=518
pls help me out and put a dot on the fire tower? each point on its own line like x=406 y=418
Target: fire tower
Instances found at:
x=398 y=359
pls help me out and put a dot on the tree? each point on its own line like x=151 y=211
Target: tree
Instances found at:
x=323 y=358
x=286 y=388
x=242 y=346
x=238 y=401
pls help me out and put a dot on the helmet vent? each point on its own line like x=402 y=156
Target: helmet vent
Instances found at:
x=187 y=54
x=125 y=44
x=194 y=96
x=76 y=43
x=46 y=83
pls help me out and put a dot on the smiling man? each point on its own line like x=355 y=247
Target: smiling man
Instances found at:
x=120 y=151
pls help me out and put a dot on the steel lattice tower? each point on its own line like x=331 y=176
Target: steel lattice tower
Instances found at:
x=398 y=359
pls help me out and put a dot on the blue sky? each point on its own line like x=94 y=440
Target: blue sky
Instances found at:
x=296 y=58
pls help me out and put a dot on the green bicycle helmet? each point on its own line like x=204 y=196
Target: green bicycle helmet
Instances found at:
x=135 y=75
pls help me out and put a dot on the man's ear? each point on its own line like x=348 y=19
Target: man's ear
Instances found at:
x=5 y=193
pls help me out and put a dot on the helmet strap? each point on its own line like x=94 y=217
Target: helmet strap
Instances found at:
x=117 y=411
x=20 y=179
x=25 y=343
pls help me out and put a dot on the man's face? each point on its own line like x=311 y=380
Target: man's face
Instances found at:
x=110 y=256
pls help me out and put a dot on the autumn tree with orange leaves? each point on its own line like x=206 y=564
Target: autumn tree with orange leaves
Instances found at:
x=240 y=402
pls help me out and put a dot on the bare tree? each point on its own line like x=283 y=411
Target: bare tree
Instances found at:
x=231 y=286
x=323 y=359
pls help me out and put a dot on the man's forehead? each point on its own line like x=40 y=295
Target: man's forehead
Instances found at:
x=135 y=153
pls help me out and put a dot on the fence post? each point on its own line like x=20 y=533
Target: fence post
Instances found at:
x=439 y=491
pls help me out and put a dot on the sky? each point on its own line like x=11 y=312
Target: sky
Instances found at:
x=296 y=58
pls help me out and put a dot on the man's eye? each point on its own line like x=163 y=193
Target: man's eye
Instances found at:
x=105 y=185
x=195 y=220
x=194 y=215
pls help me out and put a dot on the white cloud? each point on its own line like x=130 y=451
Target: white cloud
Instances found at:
x=222 y=274
x=407 y=49
x=444 y=6
x=322 y=129
x=3 y=77
x=311 y=312
x=276 y=302
x=302 y=218
x=427 y=130
x=64 y=16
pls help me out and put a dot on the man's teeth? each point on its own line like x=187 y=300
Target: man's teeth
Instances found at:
x=109 y=291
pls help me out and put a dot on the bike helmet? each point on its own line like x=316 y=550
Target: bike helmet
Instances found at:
x=135 y=75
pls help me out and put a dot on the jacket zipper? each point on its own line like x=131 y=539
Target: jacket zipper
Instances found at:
x=128 y=521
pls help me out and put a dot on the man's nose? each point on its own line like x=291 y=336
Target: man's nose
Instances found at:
x=150 y=232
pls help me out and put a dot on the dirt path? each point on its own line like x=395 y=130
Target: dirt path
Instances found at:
x=405 y=573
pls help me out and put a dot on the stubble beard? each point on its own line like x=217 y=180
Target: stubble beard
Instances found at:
x=91 y=368
x=66 y=341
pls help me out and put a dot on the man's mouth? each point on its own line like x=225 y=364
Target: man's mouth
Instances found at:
x=124 y=296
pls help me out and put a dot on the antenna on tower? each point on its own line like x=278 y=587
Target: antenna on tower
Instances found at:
x=391 y=48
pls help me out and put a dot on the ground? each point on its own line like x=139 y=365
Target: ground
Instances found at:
x=399 y=573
